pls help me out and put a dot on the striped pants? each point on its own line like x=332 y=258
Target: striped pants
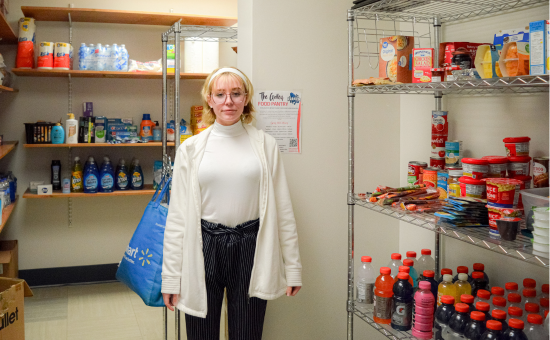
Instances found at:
x=228 y=260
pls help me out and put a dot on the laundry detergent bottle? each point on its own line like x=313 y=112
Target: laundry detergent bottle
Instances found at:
x=106 y=175
x=91 y=177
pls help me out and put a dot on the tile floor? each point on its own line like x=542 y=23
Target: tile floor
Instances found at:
x=97 y=311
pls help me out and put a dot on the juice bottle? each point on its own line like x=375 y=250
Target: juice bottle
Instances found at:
x=480 y=267
x=457 y=323
x=444 y=271
x=535 y=330
x=423 y=313
x=413 y=274
x=429 y=277
x=77 y=181
x=500 y=316
x=401 y=318
x=394 y=264
x=478 y=282
x=404 y=269
x=515 y=330
x=493 y=332
x=460 y=270
x=446 y=288
x=462 y=285
x=383 y=294
x=365 y=281
x=510 y=287
x=469 y=300
x=443 y=315
x=476 y=327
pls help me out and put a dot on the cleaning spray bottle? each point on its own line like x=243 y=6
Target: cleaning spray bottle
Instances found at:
x=122 y=176
x=91 y=176
x=106 y=175
x=137 y=176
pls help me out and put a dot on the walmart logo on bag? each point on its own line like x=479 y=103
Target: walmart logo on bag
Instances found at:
x=144 y=257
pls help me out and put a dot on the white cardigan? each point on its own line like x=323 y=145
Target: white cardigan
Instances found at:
x=277 y=259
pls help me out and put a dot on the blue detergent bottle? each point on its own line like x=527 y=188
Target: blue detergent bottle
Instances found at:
x=91 y=176
x=122 y=176
x=137 y=176
x=107 y=176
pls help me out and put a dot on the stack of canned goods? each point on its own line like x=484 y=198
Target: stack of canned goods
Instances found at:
x=440 y=133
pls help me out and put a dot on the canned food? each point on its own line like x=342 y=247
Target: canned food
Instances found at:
x=436 y=162
x=540 y=172
x=454 y=190
x=503 y=192
x=430 y=177
x=442 y=183
x=519 y=165
x=471 y=187
x=414 y=175
x=516 y=146
x=475 y=168
x=498 y=165
x=438 y=145
x=453 y=153
x=440 y=125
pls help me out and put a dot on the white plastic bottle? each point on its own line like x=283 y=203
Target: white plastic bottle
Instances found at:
x=425 y=262
x=115 y=53
x=394 y=264
x=71 y=131
x=90 y=56
x=106 y=56
x=366 y=277
x=534 y=330
x=99 y=61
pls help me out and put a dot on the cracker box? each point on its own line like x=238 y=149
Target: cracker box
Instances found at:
x=422 y=64
x=538 y=44
x=446 y=50
x=396 y=58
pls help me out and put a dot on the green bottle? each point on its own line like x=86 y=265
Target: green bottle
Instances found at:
x=77 y=184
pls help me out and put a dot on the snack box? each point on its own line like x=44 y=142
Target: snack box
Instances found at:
x=423 y=62
x=486 y=62
x=538 y=47
x=514 y=59
x=396 y=58
x=446 y=50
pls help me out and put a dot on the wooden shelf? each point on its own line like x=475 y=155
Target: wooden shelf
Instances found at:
x=96 y=145
x=147 y=190
x=6 y=32
x=122 y=17
x=6 y=213
x=101 y=74
x=6 y=148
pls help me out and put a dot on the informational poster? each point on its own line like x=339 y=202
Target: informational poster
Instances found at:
x=278 y=113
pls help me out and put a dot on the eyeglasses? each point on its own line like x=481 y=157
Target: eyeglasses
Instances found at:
x=237 y=97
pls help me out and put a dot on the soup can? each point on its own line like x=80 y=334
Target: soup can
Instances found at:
x=440 y=124
x=442 y=183
x=430 y=177
x=437 y=162
x=414 y=173
x=540 y=172
x=438 y=145
x=453 y=153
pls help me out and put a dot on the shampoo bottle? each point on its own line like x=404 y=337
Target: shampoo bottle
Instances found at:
x=71 y=125
x=137 y=176
x=122 y=176
x=91 y=175
x=58 y=135
x=106 y=175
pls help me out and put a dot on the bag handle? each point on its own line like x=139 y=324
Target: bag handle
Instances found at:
x=158 y=198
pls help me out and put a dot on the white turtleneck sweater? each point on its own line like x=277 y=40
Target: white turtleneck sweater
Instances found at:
x=229 y=177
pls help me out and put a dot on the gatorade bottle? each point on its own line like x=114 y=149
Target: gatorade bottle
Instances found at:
x=383 y=294
x=91 y=177
x=484 y=308
x=404 y=269
x=122 y=176
x=493 y=332
x=77 y=180
x=510 y=287
x=476 y=327
x=411 y=255
x=535 y=330
x=529 y=284
x=425 y=262
x=544 y=291
x=444 y=271
x=394 y=264
x=499 y=303
x=443 y=315
x=483 y=296
x=478 y=282
x=500 y=316
x=462 y=285
x=544 y=306
x=515 y=330
x=429 y=277
x=515 y=313
x=365 y=282
x=529 y=296
x=423 y=314
x=532 y=308
x=469 y=300
x=514 y=300
x=457 y=323
x=412 y=273
x=480 y=267
x=446 y=288
x=401 y=318
x=497 y=291
x=462 y=270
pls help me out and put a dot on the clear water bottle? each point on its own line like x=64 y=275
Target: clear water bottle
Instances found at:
x=124 y=58
x=535 y=329
x=90 y=57
x=394 y=264
x=99 y=57
x=106 y=56
x=115 y=54
x=82 y=60
x=366 y=278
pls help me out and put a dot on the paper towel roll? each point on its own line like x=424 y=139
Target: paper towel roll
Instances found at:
x=210 y=56
x=62 y=59
x=27 y=29
x=25 y=46
x=192 y=56
x=45 y=56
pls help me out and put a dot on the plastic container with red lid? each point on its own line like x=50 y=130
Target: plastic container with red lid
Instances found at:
x=519 y=165
x=470 y=187
x=498 y=165
x=503 y=192
x=516 y=146
x=475 y=168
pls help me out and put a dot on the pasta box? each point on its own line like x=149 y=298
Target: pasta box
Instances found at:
x=446 y=50
x=395 y=60
x=423 y=62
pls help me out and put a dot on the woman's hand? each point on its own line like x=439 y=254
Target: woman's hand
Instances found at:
x=171 y=300
x=291 y=291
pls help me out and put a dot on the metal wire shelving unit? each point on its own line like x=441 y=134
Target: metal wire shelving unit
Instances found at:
x=423 y=19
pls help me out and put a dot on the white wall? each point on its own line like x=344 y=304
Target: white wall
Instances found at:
x=102 y=227
x=482 y=123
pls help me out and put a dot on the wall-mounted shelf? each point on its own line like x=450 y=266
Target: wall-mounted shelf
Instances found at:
x=6 y=148
x=101 y=74
x=122 y=17
x=146 y=191
x=7 y=35
x=95 y=145
x=7 y=89
x=6 y=213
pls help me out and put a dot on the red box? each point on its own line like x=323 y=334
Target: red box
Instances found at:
x=447 y=48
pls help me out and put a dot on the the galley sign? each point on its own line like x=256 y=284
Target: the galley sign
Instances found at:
x=279 y=114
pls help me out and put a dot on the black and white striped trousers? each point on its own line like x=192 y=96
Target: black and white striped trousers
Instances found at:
x=228 y=260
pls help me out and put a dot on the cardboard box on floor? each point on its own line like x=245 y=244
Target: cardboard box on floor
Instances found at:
x=12 y=315
x=9 y=259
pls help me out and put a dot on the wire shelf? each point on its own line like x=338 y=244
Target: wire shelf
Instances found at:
x=521 y=84
x=366 y=314
x=447 y=10
x=520 y=249
x=207 y=33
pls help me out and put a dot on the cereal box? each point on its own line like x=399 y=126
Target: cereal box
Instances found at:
x=395 y=58
x=423 y=61
x=538 y=40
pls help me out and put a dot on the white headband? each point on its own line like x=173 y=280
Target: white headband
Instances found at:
x=230 y=70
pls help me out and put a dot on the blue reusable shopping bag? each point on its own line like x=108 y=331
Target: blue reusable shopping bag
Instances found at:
x=141 y=265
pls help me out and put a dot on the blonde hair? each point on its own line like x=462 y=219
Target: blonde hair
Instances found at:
x=208 y=115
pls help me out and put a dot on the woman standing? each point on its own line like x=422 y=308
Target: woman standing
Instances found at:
x=230 y=223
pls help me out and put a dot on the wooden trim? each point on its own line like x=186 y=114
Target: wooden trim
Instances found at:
x=91 y=145
x=146 y=191
x=7 y=89
x=69 y=275
x=101 y=74
x=6 y=32
x=6 y=148
x=122 y=17
x=6 y=213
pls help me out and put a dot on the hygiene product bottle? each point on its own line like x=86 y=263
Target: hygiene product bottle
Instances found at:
x=423 y=313
x=58 y=134
x=77 y=183
x=383 y=293
x=56 y=175
x=146 y=128
x=100 y=132
x=401 y=318
x=122 y=176
x=91 y=176
x=137 y=176
x=157 y=132
x=71 y=135
x=394 y=264
x=106 y=176
x=366 y=277
x=446 y=288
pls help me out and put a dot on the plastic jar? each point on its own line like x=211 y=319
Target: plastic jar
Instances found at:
x=475 y=168
x=503 y=192
x=453 y=185
x=519 y=165
x=516 y=146
x=470 y=187
x=498 y=165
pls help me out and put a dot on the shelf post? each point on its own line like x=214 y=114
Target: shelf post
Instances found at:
x=165 y=322
x=178 y=333
x=164 y=95
x=177 y=31
x=438 y=96
x=350 y=200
